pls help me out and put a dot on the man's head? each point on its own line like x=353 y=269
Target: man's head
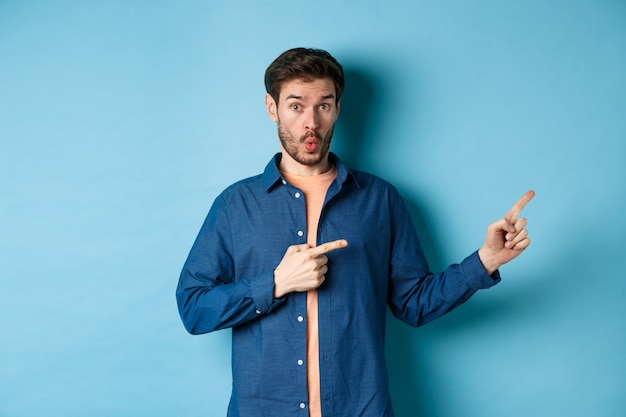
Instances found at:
x=304 y=88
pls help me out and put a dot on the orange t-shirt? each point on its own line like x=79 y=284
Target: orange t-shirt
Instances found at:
x=314 y=189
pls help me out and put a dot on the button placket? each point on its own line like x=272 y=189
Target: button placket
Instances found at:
x=298 y=196
x=298 y=200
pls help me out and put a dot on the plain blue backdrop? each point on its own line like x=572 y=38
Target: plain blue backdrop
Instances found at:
x=121 y=121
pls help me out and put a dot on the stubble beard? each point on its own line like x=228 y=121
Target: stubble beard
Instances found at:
x=292 y=146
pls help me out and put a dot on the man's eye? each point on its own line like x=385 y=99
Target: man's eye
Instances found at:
x=295 y=107
x=324 y=106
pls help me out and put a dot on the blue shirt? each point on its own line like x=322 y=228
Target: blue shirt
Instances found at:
x=228 y=282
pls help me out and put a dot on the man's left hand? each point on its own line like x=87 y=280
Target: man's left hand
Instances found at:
x=506 y=238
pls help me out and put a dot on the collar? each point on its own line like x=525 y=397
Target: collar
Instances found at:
x=272 y=177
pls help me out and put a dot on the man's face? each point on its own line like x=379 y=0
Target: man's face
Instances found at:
x=305 y=115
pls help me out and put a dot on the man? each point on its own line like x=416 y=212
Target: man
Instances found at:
x=302 y=261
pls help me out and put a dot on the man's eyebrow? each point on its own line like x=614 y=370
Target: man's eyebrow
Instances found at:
x=296 y=97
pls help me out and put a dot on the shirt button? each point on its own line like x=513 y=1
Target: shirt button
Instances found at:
x=300 y=233
x=302 y=405
x=257 y=311
x=284 y=182
x=300 y=319
x=297 y=195
x=300 y=362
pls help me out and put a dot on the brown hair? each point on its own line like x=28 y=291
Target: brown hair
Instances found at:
x=304 y=64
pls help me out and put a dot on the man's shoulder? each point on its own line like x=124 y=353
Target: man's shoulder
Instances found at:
x=246 y=185
x=367 y=179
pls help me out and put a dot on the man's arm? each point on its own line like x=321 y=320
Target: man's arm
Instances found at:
x=418 y=296
x=210 y=298
x=209 y=295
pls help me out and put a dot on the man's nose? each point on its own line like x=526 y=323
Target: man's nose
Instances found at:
x=311 y=121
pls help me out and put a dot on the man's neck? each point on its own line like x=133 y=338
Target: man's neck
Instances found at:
x=291 y=166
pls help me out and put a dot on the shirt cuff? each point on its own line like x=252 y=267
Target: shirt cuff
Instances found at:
x=475 y=274
x=262 y=289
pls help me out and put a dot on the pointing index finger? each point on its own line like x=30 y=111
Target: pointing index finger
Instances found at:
x=517 y=207
x=327 y=247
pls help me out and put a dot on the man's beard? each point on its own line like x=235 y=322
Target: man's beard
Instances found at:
x=292 y=146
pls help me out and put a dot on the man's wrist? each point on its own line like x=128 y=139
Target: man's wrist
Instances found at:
x=490 y=263
x=278 y=290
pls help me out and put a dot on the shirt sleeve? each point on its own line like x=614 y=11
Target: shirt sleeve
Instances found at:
x=417 y=296
x=209 y=296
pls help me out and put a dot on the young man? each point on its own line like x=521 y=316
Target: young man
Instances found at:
x=302 y=261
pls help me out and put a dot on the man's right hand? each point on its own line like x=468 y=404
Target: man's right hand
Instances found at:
x=303 y=267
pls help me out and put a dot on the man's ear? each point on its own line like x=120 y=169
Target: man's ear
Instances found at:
x=272 y=107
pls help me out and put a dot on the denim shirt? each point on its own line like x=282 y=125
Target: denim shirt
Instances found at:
x=228 y=282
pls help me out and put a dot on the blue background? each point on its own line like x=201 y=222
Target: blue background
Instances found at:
x=121 y=121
